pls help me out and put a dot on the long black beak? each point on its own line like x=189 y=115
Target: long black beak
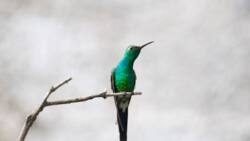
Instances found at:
x=146 y=44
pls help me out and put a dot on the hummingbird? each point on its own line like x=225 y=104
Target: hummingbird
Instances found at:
x=123 y=79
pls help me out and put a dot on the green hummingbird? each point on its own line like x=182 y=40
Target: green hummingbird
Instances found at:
x=123 y=79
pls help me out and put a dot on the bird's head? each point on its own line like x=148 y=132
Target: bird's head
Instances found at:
x=133 y=51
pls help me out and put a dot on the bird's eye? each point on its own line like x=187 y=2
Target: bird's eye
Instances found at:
x=131 y=48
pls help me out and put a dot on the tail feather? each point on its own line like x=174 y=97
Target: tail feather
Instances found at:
x=122 y=118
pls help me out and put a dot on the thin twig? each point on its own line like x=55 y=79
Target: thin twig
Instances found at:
x=81 y=99
x=33 y=116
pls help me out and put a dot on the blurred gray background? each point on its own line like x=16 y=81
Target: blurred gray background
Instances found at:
x=195 y=78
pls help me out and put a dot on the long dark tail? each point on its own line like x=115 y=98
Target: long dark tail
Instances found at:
x=122 y=119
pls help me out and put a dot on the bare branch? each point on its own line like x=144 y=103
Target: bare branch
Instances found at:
x=81 y=99
x=32 y=117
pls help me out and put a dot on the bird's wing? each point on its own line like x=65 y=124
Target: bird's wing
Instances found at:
x=113 y=81
x=113 y=86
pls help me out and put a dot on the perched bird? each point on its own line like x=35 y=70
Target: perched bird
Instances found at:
x=123 y=79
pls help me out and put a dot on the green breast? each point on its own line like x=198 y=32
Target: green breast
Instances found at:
x=125 y=79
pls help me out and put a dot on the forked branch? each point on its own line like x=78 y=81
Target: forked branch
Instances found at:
x=33 y=116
